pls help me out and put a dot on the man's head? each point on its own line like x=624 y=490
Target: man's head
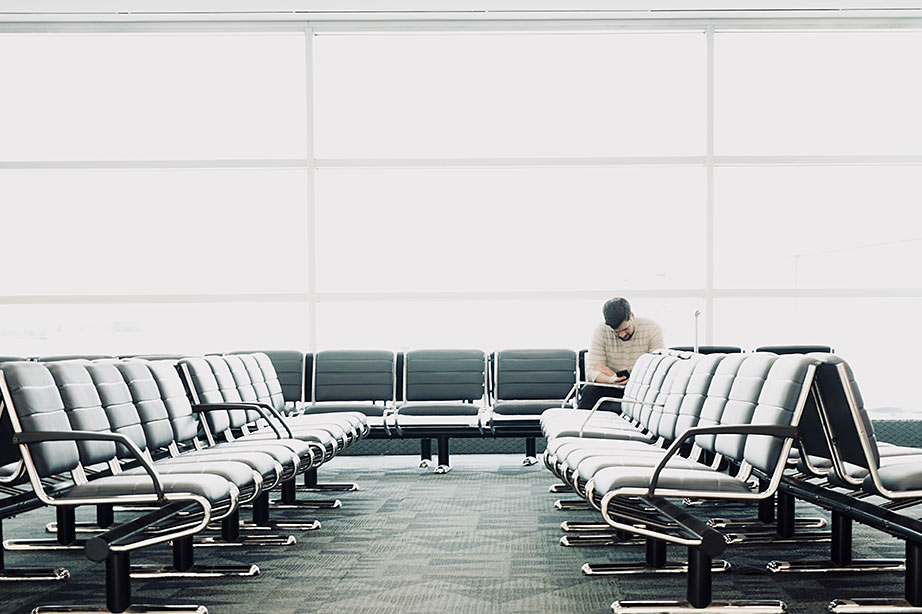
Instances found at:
x=618 y=317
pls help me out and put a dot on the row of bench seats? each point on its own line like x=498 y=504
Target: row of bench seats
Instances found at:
x=755 y=427
x=177 y=447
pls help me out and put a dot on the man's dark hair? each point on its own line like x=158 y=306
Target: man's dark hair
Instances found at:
x=616 y=312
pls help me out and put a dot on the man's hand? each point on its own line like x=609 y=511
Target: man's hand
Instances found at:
x=619 y=380
x=605 y=374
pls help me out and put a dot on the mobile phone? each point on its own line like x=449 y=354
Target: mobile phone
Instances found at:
x=623 y=373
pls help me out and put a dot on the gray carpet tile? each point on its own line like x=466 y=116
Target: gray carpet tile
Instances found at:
x=481 y=539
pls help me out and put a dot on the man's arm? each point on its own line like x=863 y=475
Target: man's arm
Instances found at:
x=596 y=368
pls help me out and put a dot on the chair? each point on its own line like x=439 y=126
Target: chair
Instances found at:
x=750 y=426
x=445 y=394
x=709 y=349
x=353 y=381
x=291 y=368
x=180 y=505
x=525 y=383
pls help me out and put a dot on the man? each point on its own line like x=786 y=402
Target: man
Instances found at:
x=616 y=345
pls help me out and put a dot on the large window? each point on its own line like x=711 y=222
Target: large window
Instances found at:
x=411 y=95
x=320 y=185
x=509 y=229
x=152 y=96
x=810 y=93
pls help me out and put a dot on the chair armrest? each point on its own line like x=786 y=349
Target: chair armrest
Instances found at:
x=775 y=430
x=38 y=437
x=204 y=407
x=598 y=404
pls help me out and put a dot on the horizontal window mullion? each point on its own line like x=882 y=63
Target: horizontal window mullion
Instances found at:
x=151 y=164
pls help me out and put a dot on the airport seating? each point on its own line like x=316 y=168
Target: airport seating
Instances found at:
x=361 y=381
x=16 y=497
x=291 y=367
x=525 y=382
x=748 y=420
x=444 y=394
x=857 y=484
x=178 y=504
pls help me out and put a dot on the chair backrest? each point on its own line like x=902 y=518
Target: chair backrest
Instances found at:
x=444 y=375
x=533 y=374
x=231 y=369
x=742 y=400
x=782 y=399
x=635 y=391
x=665 y=411
x=245 y=387
x=173 y=393
x=795 y=349
x=227 y=387
x=709 y=349
x=145 y=394
x=656 y=386
x=354 y=375
x=643 y=372
x=203 y=387
x=33 y=403
x=693 y=397
x=848 y=424
x=718 y=393
x=66 y=357
x=276 y=398
x=118 y=404
x=289 y=367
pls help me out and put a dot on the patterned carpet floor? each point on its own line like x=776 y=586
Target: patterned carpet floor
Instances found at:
x=483 y=538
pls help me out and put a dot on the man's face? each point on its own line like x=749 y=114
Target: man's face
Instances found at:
x=626 y=330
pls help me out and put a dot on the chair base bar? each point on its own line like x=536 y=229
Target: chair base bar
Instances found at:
x=884 y=606
x=33 y=575
x=571 y=504
x=598 y=539
x=724 y=503
x=813 y=537
x=196 y=571
x=246 y=541
x=724 y=607
x=276 y=525
x=754 y=526
x=577 y=526
x=559 y=488
x=861 y=565
x=135 y=609
x=634 y=568
x=343 y=487
x=320 y=504
x=27 y=545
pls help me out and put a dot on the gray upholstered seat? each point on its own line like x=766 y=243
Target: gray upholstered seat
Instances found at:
x=353 y=381
x=444 y=394
x=442 y=383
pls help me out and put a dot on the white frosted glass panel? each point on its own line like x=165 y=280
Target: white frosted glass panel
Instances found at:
x=818 y=227
x=502 y=94
x=818 y=93
x=154 y=231
x=874 y=335
x=152 y=96
x=488 y=325
x=510 y=229
x=168 y=328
